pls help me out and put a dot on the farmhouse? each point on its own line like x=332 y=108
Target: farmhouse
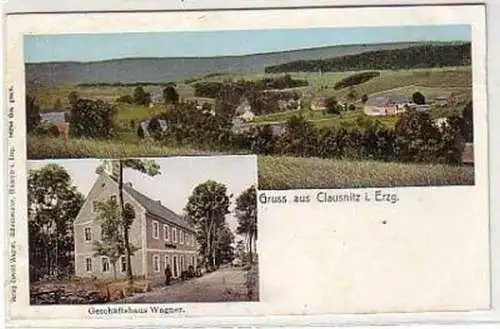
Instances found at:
x=160 y=236
x=386 y=105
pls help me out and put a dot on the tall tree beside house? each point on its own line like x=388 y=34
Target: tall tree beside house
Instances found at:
x=207 y=208
x=53 y=204
x=127 y=214
x=246 y=212
x=32 y=113
x=111 y=243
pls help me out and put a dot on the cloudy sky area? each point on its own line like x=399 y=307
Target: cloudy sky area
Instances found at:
x=179 y=176
x=93 y=47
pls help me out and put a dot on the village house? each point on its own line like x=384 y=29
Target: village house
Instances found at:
x=386 y=105
x=161 y=236
x=57 y=119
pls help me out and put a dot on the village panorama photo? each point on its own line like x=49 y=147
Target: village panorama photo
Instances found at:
x=138 y=230
x=383 y=106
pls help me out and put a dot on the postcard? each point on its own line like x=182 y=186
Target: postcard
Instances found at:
x=172 y=166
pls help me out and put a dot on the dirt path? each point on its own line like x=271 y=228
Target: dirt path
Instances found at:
x=227 y=284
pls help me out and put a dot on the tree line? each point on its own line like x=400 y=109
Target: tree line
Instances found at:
x=423 y=56
x=54 y=203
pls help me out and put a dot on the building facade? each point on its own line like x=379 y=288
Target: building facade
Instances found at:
x=160 y=236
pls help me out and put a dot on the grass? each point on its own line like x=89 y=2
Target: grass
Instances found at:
x=43 y=147
x=280 y=173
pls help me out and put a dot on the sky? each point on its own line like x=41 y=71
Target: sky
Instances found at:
x=94 y=47
x=178 y=177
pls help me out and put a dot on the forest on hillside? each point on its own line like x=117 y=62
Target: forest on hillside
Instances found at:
x=424 y=56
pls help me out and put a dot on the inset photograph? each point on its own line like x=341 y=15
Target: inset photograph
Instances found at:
x=384 y=106
x=144 y=230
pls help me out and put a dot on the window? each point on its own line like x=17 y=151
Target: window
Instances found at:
x=165 y=232
x=113 y=198
x=156 y=229
x=192 y=261
x=105 y=264
x=181 y=237
x=156 y=263
x=174 y=234
x=166 y=261
x=123 y=264
x=88 y=234
x=88 y=264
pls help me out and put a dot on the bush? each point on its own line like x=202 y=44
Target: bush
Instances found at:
x=92 y=119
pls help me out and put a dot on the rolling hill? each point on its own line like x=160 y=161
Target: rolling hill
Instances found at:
x=158 y=70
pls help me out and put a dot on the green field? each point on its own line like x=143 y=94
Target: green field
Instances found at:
x=279 y=173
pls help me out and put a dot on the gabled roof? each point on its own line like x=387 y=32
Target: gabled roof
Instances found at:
x=155 y=208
